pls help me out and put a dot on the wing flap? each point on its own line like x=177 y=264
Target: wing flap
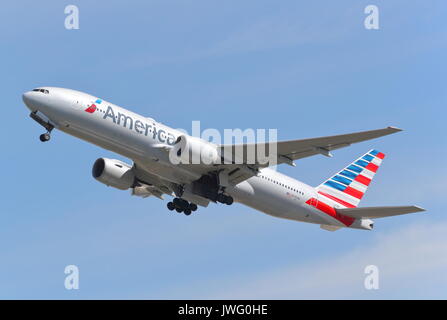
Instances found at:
x=378 y=212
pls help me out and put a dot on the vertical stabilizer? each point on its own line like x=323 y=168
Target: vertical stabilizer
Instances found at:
x=348 y=186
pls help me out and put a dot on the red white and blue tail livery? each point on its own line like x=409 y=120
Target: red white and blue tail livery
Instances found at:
x=347 y=187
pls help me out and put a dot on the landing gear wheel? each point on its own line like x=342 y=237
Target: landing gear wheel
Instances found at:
x=45 y=137
x=221 y=198
x=181 y=205
x=170 y=206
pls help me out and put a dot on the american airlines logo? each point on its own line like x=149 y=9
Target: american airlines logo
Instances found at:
x=92 y=108
x=138 y=126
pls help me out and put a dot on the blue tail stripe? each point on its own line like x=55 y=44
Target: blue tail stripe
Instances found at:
x=368 y=157
x=361 y=163
x=374 y=152
x=342 y=180
x=355 y=168
x=348 y=174
x=335 y=185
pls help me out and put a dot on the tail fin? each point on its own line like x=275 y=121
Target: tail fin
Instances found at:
x=348 y=186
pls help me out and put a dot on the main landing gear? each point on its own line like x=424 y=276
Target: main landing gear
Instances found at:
x=223 y=198
x=181 y=205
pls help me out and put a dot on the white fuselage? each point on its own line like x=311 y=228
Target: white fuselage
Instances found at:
x=139 y=138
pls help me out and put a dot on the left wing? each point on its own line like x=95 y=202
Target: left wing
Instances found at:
x=149 y=184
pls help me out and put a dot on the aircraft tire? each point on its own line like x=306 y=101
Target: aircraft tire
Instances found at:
x=170 y=206
x=45 y=137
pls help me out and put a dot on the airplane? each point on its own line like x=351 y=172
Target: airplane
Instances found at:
x=223 y=178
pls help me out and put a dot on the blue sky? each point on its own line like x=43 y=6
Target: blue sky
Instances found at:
x=307 y=69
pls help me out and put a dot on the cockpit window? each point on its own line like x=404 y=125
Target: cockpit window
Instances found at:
x=42 y=90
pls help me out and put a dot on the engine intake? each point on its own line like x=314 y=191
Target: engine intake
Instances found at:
x=113 y=173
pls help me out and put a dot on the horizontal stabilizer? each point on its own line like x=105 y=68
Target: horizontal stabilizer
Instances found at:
x=378 y=212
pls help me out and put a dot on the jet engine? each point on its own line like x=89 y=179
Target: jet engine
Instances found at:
x=113 y=173
x=193 y=150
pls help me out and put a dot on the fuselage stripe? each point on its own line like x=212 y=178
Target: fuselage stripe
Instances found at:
x=323 y=207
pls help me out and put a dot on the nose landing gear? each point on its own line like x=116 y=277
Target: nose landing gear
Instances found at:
x=44 y=137
x=44 y=123
x=181 y=205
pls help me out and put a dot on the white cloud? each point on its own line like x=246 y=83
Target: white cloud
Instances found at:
x=413 y=258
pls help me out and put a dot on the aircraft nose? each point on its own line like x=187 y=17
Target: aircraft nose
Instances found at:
x=25 y=96
x=27 y=99
x=33 y=100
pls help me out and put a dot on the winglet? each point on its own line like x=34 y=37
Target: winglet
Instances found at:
x=395 y=129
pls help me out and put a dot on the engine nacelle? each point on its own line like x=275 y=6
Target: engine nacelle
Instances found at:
x=193 y=150
x=113 y=173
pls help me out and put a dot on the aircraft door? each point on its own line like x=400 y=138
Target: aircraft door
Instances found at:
x=314 y=200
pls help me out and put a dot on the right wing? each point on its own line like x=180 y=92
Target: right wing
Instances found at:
x=378 y=212
x=242 y=160
x=290 y=150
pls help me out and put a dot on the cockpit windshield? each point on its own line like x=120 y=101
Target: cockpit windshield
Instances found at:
x=41 y=90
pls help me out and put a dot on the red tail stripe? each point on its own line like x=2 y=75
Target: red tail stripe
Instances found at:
x=346 y=204
x=371 y=167
x=363 y=180
x=354 y=192
x=380 y=155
